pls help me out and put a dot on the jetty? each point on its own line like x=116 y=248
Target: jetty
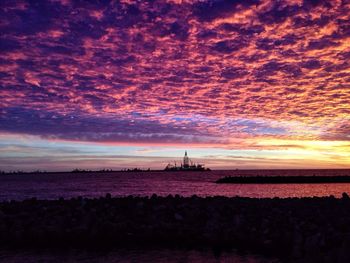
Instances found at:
x=283 y=179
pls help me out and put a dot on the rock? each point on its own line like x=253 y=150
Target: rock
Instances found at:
x=306 y=229
x=343 y=251
x=178 y=217
x=345 y=196
x=159 y=208
x=140 y=205
x=296 y=253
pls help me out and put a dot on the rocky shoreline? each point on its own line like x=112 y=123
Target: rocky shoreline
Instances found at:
x=299 y=229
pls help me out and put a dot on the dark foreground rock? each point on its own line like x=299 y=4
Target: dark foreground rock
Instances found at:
x=297 y=229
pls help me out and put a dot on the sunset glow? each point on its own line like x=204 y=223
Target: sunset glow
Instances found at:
x=116 y=84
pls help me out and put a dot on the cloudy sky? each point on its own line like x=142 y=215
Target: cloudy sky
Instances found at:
x=115 y=84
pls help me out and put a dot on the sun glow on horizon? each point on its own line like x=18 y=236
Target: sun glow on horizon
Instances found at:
x=34 y=153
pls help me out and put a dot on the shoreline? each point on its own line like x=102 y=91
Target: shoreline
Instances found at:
x=288 y=228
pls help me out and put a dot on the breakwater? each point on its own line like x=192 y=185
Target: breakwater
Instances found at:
x=283 y=179
x=303 y=229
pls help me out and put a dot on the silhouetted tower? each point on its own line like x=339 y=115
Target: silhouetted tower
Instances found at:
x=186 y=160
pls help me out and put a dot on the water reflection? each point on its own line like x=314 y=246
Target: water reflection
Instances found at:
x=53 y=186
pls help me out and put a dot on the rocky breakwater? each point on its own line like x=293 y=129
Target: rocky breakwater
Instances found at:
x=298 y=229
x=304 y=179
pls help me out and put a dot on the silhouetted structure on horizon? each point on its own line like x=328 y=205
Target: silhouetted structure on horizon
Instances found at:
x=186 y=165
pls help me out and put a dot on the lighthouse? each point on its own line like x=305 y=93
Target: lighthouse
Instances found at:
x=186 y=163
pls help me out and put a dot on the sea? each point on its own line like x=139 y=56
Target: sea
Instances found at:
x=119 y=184
x=161 y=183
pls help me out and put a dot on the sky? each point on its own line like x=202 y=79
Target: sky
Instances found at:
x=244 y=84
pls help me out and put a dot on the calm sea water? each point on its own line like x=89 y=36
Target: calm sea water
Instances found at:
x=55 y=185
